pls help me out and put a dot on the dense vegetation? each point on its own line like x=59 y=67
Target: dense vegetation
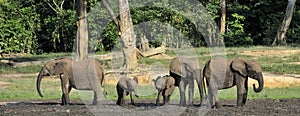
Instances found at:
x=32 y=26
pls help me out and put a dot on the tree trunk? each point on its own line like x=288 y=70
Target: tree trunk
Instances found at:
x=110 y=11
x=127 y=36
x=223 y=18
x=280 y=36
x=81 y=43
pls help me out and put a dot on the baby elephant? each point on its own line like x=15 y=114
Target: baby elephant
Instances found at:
x=165 y=86
x=126 y=86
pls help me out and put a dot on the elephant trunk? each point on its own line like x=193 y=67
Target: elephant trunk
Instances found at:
x=38 y=82
x=260 y=82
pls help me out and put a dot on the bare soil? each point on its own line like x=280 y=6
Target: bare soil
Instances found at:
x=280 y=107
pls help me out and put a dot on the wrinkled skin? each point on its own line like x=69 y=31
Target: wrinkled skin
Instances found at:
x=48 y=70
x=124 y=87
x=82 y=75
x=165 y=86
x=184 y=71
x=234 y=73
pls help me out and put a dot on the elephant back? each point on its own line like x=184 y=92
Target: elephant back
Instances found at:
x=181 y=66
x=127 y=84
x=85 y=73
x=160 y=82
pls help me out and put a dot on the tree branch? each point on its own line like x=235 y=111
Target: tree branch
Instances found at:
x=55 y=4
x=61 y=5
x=51 y=7
x=110 y=11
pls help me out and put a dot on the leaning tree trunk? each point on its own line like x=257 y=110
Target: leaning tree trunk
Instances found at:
x=81 y=43
x=127 y=36
x=280 y=36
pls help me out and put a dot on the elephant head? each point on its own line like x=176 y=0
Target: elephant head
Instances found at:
x=48 y=70
x=250 y=69
x=160 y=82
x=59 y=68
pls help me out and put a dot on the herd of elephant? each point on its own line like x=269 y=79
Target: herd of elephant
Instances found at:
x=89 y=75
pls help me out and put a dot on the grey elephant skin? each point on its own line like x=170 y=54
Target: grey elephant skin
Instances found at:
x=82 y=75
x=234 y=72
x=185 y=71
x=124 y=87
x=165 y=86
x=48 y=70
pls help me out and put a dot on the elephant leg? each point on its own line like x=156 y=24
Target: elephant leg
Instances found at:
x=120 y=93
x=97 y=95
x=200 y=87
x=119 y=99
x=191 y=92
x=182 y=86
x=167 y=99
x=242 y=91
x=165 y=96
x=123 y=98
x=218 y=103
x=213 y=94
x=65 y=90
x=210 y=97
x=131 y=98
x=158 y=97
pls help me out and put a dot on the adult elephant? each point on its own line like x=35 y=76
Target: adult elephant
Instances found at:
x=48 y=70
x=234 y=72
x=82 y=75
x=184 y=71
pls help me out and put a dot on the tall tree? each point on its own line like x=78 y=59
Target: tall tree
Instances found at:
x=81 y=43
x=128 y=37
x=223 y=18
x=280 y=36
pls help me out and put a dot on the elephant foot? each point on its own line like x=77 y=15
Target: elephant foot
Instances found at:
x=219 y=105
x=191 y=104
x=241 y=105
x=183 y=105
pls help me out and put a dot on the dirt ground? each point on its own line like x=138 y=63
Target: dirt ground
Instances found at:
x=280 y=107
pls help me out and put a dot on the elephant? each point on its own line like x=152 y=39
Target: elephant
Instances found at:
x=87 y=74
x=48 y=70
x=124 y=87
x=184 y=70
x=165 y=86
x=235 y=72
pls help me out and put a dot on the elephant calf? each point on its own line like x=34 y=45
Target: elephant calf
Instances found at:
x=124 y=87
x=165 y=86
x=233 y=72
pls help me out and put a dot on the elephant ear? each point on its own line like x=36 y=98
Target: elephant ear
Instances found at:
x=58 y=67
x=239 y=65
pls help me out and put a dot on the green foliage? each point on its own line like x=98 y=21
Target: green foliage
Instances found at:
x=18 y=23
x=32 y=26
x=235 y=35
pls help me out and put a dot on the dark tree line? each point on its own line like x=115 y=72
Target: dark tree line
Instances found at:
x=38 y=26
